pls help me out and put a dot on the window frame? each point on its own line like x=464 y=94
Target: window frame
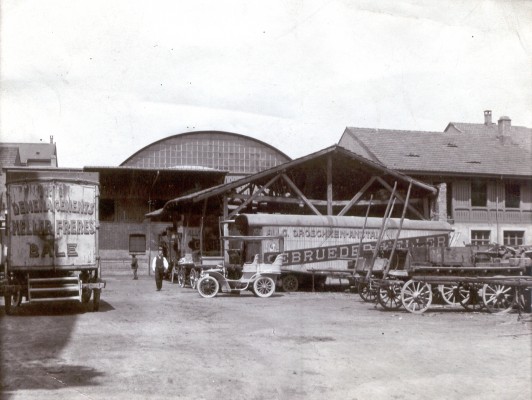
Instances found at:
x=479 y=198
x=475 y=241
x=512 y=196
x=516 y=236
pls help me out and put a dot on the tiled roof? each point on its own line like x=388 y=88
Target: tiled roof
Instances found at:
x=521 y=136
x=8 y=154
x=15 y=154
x=186 y=168
x=414 y=152
x=36 y=151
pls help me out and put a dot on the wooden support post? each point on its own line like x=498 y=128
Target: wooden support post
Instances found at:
x=225 y=210
x=363 y=232
x=202 y=221
x=387 y=213
x=398 y=230
x=329 y=186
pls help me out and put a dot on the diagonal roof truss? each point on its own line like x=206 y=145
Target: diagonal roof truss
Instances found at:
x=333 y=181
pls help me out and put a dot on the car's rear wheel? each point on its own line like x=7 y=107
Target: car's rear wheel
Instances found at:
x=263 y=286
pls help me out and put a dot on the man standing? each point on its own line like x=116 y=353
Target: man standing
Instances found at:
x=159 y=265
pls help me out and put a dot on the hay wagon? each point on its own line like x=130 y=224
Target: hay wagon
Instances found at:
x=461 y=276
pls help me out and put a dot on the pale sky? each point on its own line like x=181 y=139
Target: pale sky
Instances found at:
x=107 y=78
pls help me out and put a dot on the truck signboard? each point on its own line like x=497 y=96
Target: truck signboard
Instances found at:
x=329 y=242
x=52 y=220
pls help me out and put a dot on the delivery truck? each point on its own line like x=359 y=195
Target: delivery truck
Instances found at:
x=50 y=237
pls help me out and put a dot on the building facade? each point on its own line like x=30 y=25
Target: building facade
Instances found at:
x=483 y=172
x=238 y=155
x=24 y=155
x=168 y=168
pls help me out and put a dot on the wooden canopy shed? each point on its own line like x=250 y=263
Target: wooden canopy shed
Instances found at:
x=333 y=181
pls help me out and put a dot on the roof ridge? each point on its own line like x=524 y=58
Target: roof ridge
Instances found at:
x=377 y=130
x=366 y=148
x=493 y=124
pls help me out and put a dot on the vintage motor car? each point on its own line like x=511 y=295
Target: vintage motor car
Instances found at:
x=258 y=277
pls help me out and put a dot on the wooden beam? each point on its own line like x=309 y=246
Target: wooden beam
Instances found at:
x=300 y=194
x=329 y=185
x=359 y=252
x=202 y=221
x=426 y=208
x=401 y=198
x=225 y=207
x=357 y=197
x=253 y=196
x=398 y=233
x=244 y=188
x=316 y=203
x=387 y=215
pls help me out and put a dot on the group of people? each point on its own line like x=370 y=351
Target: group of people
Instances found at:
x=159 y=265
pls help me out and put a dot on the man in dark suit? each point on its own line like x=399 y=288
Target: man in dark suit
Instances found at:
x=159 y=266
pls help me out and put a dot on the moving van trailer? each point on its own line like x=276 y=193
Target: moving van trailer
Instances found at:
x=314 y=242
x=51 y=237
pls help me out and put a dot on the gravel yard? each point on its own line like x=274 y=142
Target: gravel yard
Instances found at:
x=145 y=344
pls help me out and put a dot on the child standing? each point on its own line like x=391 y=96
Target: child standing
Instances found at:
x=134 y=266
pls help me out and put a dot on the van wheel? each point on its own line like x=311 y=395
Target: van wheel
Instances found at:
x=96 y=300
x=290 y=283
x=16 y=296
x=16 y=299
x=7 y=304
x=86 y=295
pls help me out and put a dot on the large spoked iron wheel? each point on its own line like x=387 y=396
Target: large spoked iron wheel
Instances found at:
x=416 y=296
x=453 y=294
x=389 y=296
x=263 y=286
x=367 y=291
x=498 y=298
x=208 y=286
x=290 y=283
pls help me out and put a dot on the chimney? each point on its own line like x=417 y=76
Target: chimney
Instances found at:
x=487 y=117
x=505 y=126
x=51 y=139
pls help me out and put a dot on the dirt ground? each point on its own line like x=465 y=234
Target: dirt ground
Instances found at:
x=173 y=344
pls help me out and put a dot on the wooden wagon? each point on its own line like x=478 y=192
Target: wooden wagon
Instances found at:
x=461 y=276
